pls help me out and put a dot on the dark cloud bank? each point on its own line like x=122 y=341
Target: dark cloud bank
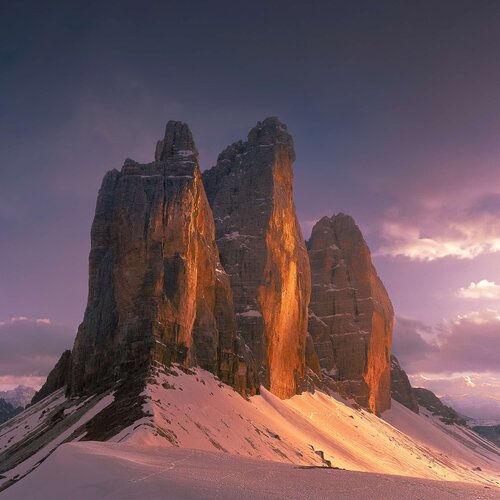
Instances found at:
x=469 y=343
x=30 y=348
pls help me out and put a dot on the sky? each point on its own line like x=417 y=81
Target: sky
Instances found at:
x=395 y=113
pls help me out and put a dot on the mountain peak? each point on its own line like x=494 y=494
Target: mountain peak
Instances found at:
x=269 y=132
x=177 y=140
x=348 y=297
x=19 y=396
x=263 y=252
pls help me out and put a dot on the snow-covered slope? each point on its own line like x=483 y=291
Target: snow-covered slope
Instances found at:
x=199 y=412
x=31 y=436
x=451 y=441
x=98 y=471
x=195 y=411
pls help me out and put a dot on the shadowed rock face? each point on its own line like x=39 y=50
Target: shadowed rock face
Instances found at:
x=157 y=291
x=490 y=432
x=350 y=314
x=401 y=389
x=429 y=400
x=7 y=411
x=261 y=247
x=58 y=377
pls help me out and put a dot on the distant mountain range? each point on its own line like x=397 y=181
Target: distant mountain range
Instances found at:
x=14 y=401
x=20 y=396
x=476 y=407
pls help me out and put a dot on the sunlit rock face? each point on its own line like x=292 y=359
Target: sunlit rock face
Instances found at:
x=350 y=314
x=157 y=290
x=261 y=247
x=401 y=389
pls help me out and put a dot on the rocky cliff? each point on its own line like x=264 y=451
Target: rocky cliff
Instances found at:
x=58 y=377
x=350 y=314
x=429 y=400
x=490 y=432
x=250 y=191
x=157 y=290
x=7 y=411
x=401 y=389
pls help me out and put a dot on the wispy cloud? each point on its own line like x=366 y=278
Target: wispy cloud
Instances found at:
x=434 y=231
x=440 y=235
x=8 y=382
x=483 y=289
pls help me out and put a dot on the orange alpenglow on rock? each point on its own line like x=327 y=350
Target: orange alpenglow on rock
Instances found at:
x=261 y=247
x=350 y=314
x=157 y=290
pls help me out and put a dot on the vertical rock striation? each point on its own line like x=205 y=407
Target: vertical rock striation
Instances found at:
x=261 y=247
x=157 y=291
x=401 y=389
x=350 y=314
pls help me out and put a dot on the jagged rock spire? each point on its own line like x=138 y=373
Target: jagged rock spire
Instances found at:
x=350 y=314
x=157 y=290
x=250 y=191
x=177 y=140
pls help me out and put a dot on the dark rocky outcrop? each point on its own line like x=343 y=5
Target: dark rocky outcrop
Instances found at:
x=350 y=314
x=401 y=389
x=157 y=290
x=7 y=411
x=250 y=191
x=57 y=378
x=431 y=402
x=490 y=432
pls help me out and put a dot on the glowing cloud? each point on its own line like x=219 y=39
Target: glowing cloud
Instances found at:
x=461 y=239
x=483 y=289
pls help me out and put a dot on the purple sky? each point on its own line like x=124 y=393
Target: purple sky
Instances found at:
x=395 y=112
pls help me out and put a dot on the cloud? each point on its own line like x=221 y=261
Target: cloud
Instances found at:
x=409 y=344
x=9 y=382
x=466 y=237
x=478 y=384
x=483 y=289
x=43 y=321
x=424 y=227
x=457 y=360
x=29 y=349
x=470 y=342
x=467 y=344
